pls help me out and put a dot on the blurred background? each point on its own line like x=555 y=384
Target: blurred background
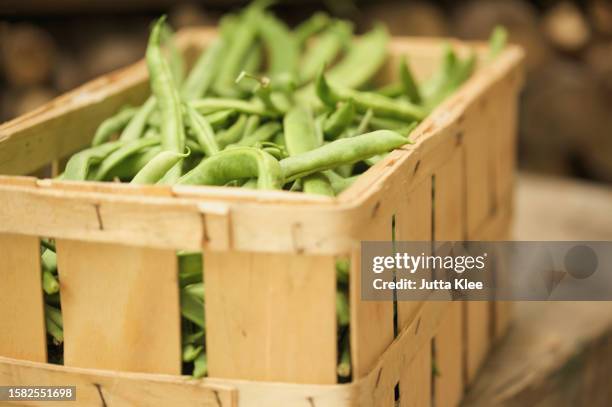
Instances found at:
x=49 y=47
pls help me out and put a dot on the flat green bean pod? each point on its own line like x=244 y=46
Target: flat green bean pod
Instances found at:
x=263 y=133
x=210 y=105
x=313 y=25
x=127 y=149
x=234 y=133
x=135 y=128
x=282 y=49
x=203 y=131
x=326 y=48
x=113 y=125
x=365 y=57
x=128 y=168
x=409 y=84
x=202 y=74
x=380 y=105
x=339 y=152
x=339 y=120
x=235 y=164
x=78 y=167
x=157 y=168
x=166 y=94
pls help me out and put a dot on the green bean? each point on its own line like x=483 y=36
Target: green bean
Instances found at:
x=78 y=166
x=52 y=299
x=497 y=41
x=380 y=105
x=53 y=330
x=282 y=49
x=210 y=105
x=325 y=49
x=364 y=124
x=342 y=309
x=176 y=62
x=129 y=167
x=48 y=244
x=49 y=260
x=300 y=137
x=120 y=154
x=344 y=367
x=190 y=268
x=221 y=118
x=339 y=120
x=242 y=39
x=202 y=130
x=113 y=125
x=192 y=303
x=234 y=164
x=54 y=315
x=365 y=57
x=202 y=74
x=135 y=128
x=435 y=85
x=277 y=151
x=317 y=184
x=251 y=125
x=157 y=168
x=253 y=60
x=384 y=123
x=234 y=133
x=200 y=366
x=168 y=100
x=339 y=152
x=193 y=338
x=409 y=83
x=49 y=283
x=338 y=182
x=191 y=352
x=300 y=130
x=263 y=133
x=342 y=271
x=316 y=23
x=250 y=184
x=391 y=90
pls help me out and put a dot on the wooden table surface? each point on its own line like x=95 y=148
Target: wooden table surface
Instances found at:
x=556 y=353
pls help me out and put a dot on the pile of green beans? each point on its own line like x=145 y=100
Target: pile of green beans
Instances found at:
x=262 y=107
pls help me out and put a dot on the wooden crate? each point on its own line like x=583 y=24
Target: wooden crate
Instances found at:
x=269 y=259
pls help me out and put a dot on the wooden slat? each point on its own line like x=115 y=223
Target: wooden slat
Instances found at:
x=448 y=382
x=449 y=224
x=372 y=321
x=416 y=381
x=120 y=306
x=115 y=389
x=413 y=222
x=478 y=318
x=271 y=317
x=22 y=320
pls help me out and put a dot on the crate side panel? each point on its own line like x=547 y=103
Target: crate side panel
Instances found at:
x=449 y=224
x=22 y=320
x=413 y=223
x=371 y=321
x=120 y=306
x=416 y=380
x=67 y=123
x=477 y=317
x=271 y=316
x=116 y=389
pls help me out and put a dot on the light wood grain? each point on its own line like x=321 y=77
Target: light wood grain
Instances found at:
x=120 y=307
x=22 y=320
x=271 y=317
x=115 y=389
x=416 y=381
x=449 y=225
